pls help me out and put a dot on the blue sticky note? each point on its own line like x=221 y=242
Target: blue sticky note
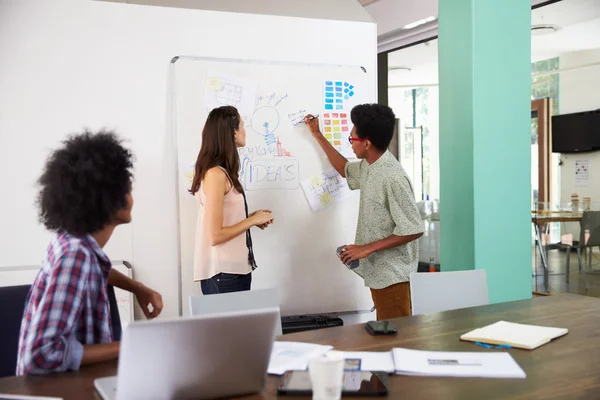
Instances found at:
x=338 y=84
x=345 y=83
x=338 y=89
x=346 y=97
x=346 y=90
x=328 y=100
x=329 y=89
x=351 y=87
x=351 y=94
x=328 y=94
x=338 y=100
x=338 y=95
x=330 y=83
x=339 y=107
x=329 y=106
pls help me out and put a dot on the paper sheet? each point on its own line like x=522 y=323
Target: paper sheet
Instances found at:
x=372 y=361
x=456 y=364
x=223 y=90
x=324 y=189
x=293 y=356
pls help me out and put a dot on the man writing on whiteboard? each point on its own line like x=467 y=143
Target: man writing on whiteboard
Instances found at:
x=389 y=222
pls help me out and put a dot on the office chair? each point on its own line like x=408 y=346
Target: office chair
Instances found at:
x=441 y=291
x=237 y=301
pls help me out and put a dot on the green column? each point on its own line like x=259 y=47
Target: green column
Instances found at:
x=485 y=125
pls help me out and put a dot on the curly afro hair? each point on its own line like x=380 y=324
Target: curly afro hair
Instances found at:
x=85 y=183
x=375 y=122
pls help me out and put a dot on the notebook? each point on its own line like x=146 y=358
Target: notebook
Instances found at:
x=521 y=336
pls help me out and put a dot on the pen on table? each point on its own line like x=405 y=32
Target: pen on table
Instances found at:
x=311 y=117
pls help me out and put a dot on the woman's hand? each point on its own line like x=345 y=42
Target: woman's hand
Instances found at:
x=313 y=125
x=261 y=218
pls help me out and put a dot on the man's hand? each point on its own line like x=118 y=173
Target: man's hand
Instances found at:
x=313 y=125
x=354 y=252
x=146 y=297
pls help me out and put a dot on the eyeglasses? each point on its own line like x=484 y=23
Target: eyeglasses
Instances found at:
x=355 y=139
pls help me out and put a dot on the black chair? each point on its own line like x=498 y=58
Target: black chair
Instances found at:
x=12 y=305
x=114 y=314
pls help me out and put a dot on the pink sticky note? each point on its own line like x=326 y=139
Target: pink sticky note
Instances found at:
x=344 y=129
x=344 y=122
x=327 y=122
x=335 y=115
x=344 y=115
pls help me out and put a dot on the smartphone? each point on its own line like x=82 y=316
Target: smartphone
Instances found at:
x=381 y=328
x=355 y=383
x=353 y=264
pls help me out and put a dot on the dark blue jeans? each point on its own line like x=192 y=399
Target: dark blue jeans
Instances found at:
x=226 y=283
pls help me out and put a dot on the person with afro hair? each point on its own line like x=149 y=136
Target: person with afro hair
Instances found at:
x=85 y=193
x=386 y=247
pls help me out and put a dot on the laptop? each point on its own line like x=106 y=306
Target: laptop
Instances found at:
x=200 y=357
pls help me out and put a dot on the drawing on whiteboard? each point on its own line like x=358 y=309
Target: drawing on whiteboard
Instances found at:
x=324 y=189
x=230 y=91
x=336 y=94
x=271 y=174
x=265 y=121
x=297 y=116
x=281 y=151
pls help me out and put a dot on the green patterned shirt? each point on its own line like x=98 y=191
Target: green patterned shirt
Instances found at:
x=387 y=207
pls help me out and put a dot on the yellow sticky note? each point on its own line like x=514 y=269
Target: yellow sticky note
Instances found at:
x=316 y=181
x=327 y=129
x=336 y=122
x=326 y=198
x=337 y=129
x=213 y=83
x=337 y=143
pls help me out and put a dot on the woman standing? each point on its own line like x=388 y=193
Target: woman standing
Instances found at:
x=223 y=256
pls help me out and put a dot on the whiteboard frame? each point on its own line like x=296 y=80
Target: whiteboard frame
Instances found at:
x=173 y=134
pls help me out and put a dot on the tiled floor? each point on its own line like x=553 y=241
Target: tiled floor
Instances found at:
x=557 y=279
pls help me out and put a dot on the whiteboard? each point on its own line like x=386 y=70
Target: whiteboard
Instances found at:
x=14 y=276
x=296 y=255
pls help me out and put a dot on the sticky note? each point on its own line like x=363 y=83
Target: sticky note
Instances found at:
x=328 y=94
x=329 y=106
x=213 y=83
x=338 y=84
x=344 y=122
x=338 y=95
x=329 y=89
x=337 y=143
x=327 y=121
x=351 y=94
x=328 y=100
x=346 y=84
x=339 y=101
x=316 y=181
x=335 y=115
x=337 y=129
x=339 y=107
x=336 y=122
x=344 y=129
x=327 y=129
x=326 y=198
x=337 y=136
x=346 y=97
x=328 y=135
x=329 y=83
x=326 y=115
x=343 y=115
x=338 y=89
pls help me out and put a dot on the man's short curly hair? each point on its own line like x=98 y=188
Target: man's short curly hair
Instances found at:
x=375 y=122
x=85 y=183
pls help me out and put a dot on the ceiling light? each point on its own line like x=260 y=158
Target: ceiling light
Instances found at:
x=543 y=29
x=419 y=22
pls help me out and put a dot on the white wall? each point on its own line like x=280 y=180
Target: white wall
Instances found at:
x=578 y=92
x=66 y=64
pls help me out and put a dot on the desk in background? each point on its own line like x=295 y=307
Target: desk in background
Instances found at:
x=565 y=368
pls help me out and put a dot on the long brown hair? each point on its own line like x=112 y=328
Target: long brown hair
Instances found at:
x=218 y=146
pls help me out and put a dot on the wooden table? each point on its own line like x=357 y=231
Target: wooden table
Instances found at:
x=569 y=367
x=540 y=222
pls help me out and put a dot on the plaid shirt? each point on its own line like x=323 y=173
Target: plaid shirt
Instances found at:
x=67 y=306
